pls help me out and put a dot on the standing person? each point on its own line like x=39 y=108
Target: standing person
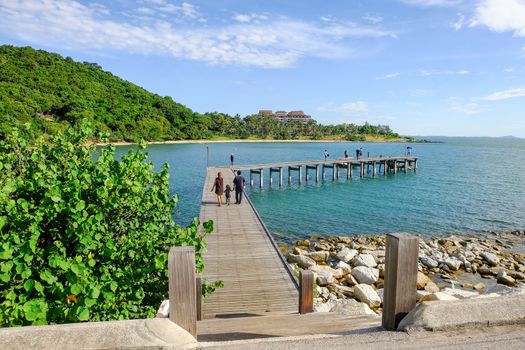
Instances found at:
x=357 y=154
x=360 y=151
x=326 y=155
x=346 y=153
x=218 y=186
x=227 y=193
x=238 y=185
x=231 y=159
x=409 y=150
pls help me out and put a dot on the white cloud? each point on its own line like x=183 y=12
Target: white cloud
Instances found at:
x=459 y=72
x=373 y=19
x=429 y=3
x=467 y=108
x=389 y=76
x=459 y=23
x=347 y=108
x=278 y=43
x=501 y=15
x=505 y=94
x=246 y=18
x=429 y=72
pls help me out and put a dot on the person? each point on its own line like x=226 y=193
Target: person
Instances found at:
x=409 y=150
x=218 y=186
x=346 y=153
x=357 y=153
x=360 y=151
x=326 y=155
x=231 y=159
x=238 y=185
x=227 y=193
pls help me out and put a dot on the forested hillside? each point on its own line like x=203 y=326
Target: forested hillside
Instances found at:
x=51 y=92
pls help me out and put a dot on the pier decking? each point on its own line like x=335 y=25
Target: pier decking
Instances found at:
x=242 y=253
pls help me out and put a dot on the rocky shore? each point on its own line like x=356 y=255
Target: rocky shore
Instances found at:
x=349 y=271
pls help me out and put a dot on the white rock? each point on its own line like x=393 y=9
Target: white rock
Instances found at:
x=367 y=294
x=364 y=274
x=459 y=293
x=301 y=260
x=428 y=262
x=351 y=280
x=345 y=254
x=453 y=264
x=324 y=307
x=492 y=259
x=344 y=267
x=381 y=293
x=325 y=277
x=364 y=260
x=319 y=256
x=422 y=280
x=439 y=296
x=352 y=307
x=164 y=309
x=420 y=294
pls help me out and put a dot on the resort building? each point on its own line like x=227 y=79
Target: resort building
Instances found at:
x=284 y=117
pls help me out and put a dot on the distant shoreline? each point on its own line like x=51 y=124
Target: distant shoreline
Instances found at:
x=174 y=142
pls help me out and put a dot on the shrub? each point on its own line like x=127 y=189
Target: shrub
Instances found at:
x=84 y=236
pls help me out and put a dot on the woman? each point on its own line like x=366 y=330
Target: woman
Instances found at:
x=218 y=186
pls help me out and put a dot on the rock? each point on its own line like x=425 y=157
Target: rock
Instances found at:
x=364 y=274
x=422 y=280
x=301 y=260
x=319 y=256
x=480 y=286
x=351 y=280
x=303 y=243
x=352 y=307
x=164 y=309
x=325 y=277
x=344 y=239
x=453 y=264
x=336 y=273
x=344 y=290
x=381 y=293
x=516 y=275
x=345 y=254
x=438 y=296
x=428 y=262
x=490 y=258
x=420 y=294
x=322 y=246
x=467 y=285
x=431 y=287
x=324 y=307
x=367 y=295
x=484 y=270
x=364 y=260
x=505 y=279
x=460 y=293
x=299 y=251
x=344 y=267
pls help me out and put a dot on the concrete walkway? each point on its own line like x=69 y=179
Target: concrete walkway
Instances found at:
x=243 y=255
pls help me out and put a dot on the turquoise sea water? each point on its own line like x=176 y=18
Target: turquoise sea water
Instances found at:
x=462 y=185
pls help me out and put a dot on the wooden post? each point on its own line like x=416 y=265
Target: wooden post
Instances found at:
x=401 y=259
x=306 y=292
x=348 y=170
x=280 y=177
x=385 y=168
x=198 y=297
x=300 y=174
x=261 y=178
x=289 y=175
x=324 y=173
x=374 y=168
x=334 y=171
x=182 y=291
x=306 y=177
x=406 y=166
x=395 y=166
x=251 y=178
x=316 y=173
x=362 y=169
x=271 y=180
x=415 y=165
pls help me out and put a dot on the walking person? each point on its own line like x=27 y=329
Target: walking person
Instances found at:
x=326 y=155
x=227 y=193
x=346 y=153
x=218 y=186
x=231 y=159
x=238 y=185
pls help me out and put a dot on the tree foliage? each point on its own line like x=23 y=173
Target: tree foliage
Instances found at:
x=84 y=236
x=51 y=93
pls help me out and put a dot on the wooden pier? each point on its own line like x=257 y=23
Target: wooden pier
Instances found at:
x=370 y=165
x=242 y=253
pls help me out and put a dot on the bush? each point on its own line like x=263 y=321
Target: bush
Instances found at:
x=84 y=236
x=355 y=137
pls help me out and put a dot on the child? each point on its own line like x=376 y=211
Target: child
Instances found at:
x=227 y=192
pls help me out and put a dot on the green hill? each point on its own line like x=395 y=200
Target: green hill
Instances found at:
x=51 y=92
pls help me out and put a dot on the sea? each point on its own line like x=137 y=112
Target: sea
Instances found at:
x=462 y=185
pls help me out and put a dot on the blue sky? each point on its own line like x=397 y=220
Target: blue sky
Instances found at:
x=424 y=67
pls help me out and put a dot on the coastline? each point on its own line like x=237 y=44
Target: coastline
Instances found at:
x=349 y=270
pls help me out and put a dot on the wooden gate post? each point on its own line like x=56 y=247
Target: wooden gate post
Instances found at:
x=306 y=292
x=182 y=290
x=198 y=296
x=401 y=260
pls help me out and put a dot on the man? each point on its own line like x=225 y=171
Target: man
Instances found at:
x=238 y=185
x=231 y=159
x=326 y=155
x=346 y=153
x=357 y=153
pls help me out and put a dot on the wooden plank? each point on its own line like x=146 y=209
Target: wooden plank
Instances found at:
x=306 y=292
x=401 y=260
x=181 y=272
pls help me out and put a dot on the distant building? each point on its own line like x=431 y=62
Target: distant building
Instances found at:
x=284 y=117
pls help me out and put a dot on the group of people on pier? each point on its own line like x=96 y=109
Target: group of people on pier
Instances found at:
x=239 y=183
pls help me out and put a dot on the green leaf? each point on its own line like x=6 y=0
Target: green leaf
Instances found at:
x=39 y=287
x=47 y=276
x=208 y=226
x=35 y=309
x=77 y=289
x=29 y=285
x=83 y=314
x=56 y=198
x=95 y=292
x=80 y=206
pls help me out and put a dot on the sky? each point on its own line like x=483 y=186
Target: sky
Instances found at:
x=424 y=67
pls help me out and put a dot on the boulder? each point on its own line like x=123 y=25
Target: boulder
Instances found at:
x=480 y=286
x=453 y=263
x=420 y=294
x=322 y=246
x=325 y=277
x=490 y=258
x=352 y=307
x=344 y=267
x=303 y=243
x=164 y=309
x=319 y=256
x=431 y=287
x=367 y=295
x=324 y=307
x=344 y=290
x=422 y=280
x=364 y=274
x=505 y=279
x=299 y=251
x=345 y=254
x=350 y=280
x=302 y=260
x=364 y=260
x=429 y=262
x=439 y=296
x=336 y=273
x=460 y=293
